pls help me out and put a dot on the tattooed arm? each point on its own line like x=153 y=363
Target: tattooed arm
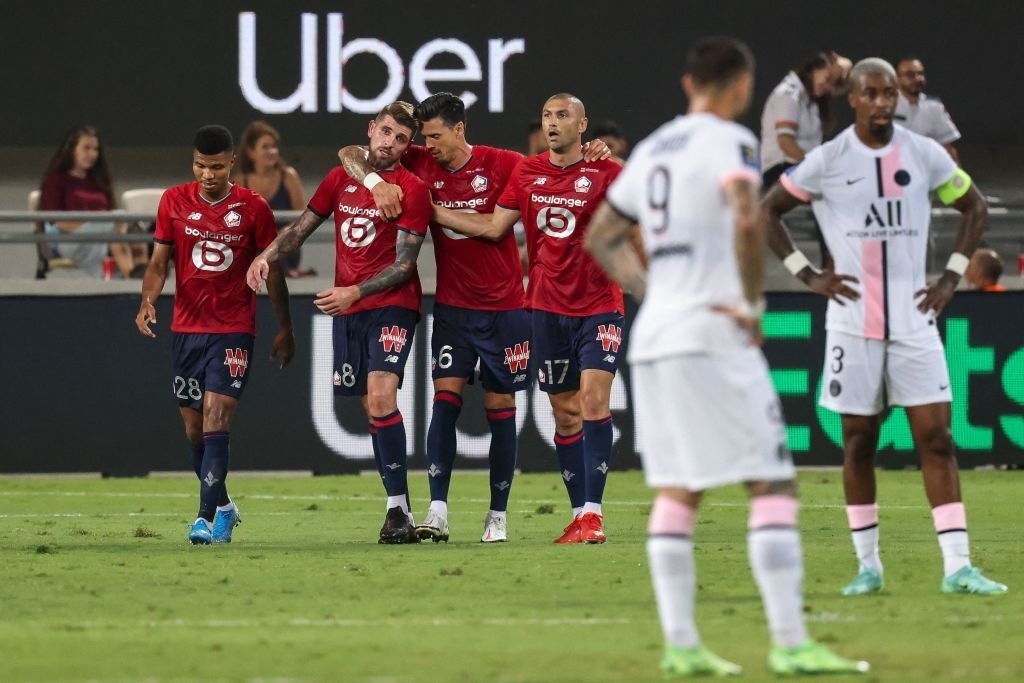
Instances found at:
x=287 y=241
x=338 y=299
x=387 y=196
x=611 y=240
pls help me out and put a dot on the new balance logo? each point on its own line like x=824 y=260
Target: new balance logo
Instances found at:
x=438 y=184
x=209 y=479
x=518 y=379
x=393 y=338
x=501 y=486
x=391 y=359
x=517 y=357
x=609 y=358
x=540 y=181
x=195 y=216
x=237 y=361
x=435 y=471
x=602 y=468
x=237 y=384
x=393 y=466
x=610 y=337
x=567 y=475
x=351 y=188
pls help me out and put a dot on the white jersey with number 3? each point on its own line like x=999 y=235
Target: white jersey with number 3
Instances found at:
x=874 y=209
x=673 y=187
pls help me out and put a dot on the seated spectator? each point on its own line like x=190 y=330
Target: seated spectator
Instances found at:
x=262 y=169
x=610 y=132
x=984 y=271
x=78 y=179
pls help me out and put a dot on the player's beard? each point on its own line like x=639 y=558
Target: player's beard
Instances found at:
x=379 y=163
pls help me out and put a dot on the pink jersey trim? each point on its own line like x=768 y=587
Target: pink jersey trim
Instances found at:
x=890 y=165
x=872 y=282
x=791 y=187
x=773 y=511
x=669 y=517
x=862 y=516
x=739 y=174
x=949 y=517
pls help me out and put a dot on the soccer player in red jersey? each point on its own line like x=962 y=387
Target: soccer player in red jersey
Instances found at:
x=214 y=229
x=376 y=298
x=577 y=310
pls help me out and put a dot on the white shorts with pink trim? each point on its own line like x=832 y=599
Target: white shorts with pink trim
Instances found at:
x=862 y=376
x=707 y=420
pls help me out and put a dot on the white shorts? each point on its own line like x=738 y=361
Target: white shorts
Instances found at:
x=858 y=371
x=709 y=420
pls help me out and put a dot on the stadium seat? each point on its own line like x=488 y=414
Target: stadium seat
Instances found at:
x=143 y=200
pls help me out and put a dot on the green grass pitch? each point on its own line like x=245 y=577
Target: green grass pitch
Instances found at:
x=97 y=583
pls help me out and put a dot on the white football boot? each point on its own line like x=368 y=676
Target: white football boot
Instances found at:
x=494 y=529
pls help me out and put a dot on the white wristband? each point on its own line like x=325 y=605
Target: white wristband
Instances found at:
x=957 y=263
x=796 y=262
x=371 y=180
x=752 y=310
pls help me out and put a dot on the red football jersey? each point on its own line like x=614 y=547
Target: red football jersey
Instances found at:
x=472 y=272
x=556 y=205
x=365 y=241
x=214 y=245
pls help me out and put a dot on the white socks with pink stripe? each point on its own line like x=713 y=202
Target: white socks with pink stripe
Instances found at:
x=777 y=562
x=951 y=526
x=670 y=555
x=864 y=530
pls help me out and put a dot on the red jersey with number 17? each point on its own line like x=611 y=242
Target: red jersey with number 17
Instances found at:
x=556 y=205
x=472 y=272
x=214 y=245
x=365 y=240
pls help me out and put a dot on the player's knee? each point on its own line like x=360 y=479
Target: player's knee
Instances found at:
x=194 y=433
x=493 y=401
x=595 y=404
x=380 y=403
x=936 y=442
x=859 y=444
x=568 y=421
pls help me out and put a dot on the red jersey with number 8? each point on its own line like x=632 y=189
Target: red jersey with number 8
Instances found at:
x=214 y=244
x=556 y=205
x=365 y=240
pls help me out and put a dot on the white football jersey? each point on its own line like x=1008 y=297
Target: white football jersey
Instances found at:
x=788 y=110
x=672 y=187
x=874 y=209
x=928 y=118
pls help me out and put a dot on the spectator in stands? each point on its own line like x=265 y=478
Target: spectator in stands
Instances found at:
x=984 y=270
x=262 y=169
x=924 y=115
x=797 y=117
x=610 y=132
x=535 y=140
x=78 y=179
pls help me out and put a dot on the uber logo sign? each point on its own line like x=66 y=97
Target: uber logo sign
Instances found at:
x=340 y=52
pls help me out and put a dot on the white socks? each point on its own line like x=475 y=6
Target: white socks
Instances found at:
x=398 y=502
x=865 y=543
x=777 y=563
x=591 y=507
x=440 y=507
x=674 y=577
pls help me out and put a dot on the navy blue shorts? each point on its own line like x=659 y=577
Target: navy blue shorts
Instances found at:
x=380 y=339
x=209 y=362
x=564 y=346
x=499 y=339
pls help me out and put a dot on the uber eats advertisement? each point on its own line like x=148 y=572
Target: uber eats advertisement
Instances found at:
x=107 y=404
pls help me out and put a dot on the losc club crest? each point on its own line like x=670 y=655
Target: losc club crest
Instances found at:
x=479 y=183
x=582 y=184
x=232 y=219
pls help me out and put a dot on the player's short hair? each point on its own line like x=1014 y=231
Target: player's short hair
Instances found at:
x=717 y=62
x=989 y=263
x=450 y=108
x=906 y=58
x=871 y=66
x=607 y=128
x=213 y=140
x=402 y=113
x=572 y=99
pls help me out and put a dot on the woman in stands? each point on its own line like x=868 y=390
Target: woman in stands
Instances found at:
x=78 y=179
x=261 y=168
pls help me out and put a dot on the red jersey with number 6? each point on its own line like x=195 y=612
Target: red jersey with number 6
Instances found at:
x=556 y=205
x=214 y=245
x=365 y=240
x=472 y=272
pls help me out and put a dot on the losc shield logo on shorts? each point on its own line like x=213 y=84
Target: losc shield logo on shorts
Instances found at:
x=517 y=357
x=237 y=361
x=232 y=219
x=393 y=338
x=610 y=337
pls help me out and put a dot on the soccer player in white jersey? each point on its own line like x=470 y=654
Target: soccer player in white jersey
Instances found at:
x=706 y=410
x=869 y=189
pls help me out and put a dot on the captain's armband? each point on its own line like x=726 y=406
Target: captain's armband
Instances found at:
x=954 y=188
